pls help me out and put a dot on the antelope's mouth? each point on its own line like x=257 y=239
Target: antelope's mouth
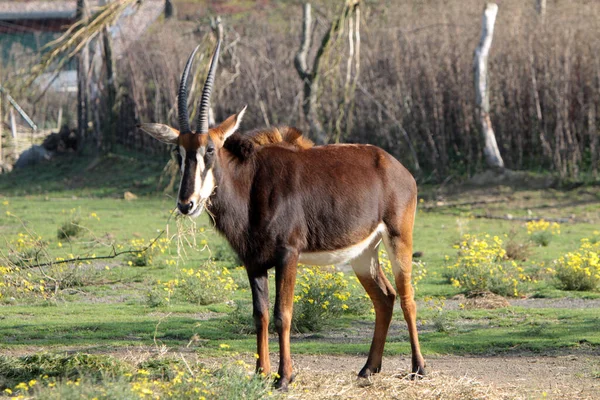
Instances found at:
x=195 y=213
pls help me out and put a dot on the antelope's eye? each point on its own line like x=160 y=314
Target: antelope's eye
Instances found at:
x=210 y=150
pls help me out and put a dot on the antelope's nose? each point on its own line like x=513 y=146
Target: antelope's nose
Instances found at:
x=185 y=208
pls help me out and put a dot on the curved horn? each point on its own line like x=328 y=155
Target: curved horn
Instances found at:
x=184 y=120
x=205 y=101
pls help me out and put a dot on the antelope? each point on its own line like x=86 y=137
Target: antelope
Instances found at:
x=280 y=201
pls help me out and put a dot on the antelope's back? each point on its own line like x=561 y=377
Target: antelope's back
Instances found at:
x=335 y=195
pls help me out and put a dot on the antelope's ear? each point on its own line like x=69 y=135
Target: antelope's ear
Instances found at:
x=231 y=124
x=161 y=132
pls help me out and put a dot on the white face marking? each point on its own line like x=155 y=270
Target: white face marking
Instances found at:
x=346 y=254
x=199 y=170
x=208 y=185
x=202 y=188
x=182 y=154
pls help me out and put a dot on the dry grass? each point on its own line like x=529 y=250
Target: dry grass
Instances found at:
x=383 y=386
x=485 y=301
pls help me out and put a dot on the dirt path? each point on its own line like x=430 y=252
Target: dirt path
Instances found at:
x=519 y=376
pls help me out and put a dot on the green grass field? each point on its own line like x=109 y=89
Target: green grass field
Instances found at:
x=106 y=308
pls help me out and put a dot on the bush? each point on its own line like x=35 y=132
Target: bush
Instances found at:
x=542 y=231
x=516 y=249
x=146 y=253
x=161 y=293
x=241 y=321
x=70 y=229
x=440 y=319
x=322 y=294
x=43 y=284
x=482 y=266
x=206 y=285
x=86 y=377
x=579 y=270
x=15 y=370
x=25 y=250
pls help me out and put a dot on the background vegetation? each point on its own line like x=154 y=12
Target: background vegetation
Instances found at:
x=415 y=75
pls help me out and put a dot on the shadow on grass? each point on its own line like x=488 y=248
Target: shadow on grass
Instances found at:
x=107 y=176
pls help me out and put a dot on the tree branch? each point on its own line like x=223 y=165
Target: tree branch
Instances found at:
x=114 y=254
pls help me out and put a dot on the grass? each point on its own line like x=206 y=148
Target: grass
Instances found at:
x=110 y=313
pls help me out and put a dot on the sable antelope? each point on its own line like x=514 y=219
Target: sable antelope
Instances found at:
x=279 y=200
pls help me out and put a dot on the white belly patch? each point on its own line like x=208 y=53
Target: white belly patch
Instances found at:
x=343 y=255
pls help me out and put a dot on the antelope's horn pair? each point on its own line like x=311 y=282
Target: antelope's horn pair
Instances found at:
x=184 y=120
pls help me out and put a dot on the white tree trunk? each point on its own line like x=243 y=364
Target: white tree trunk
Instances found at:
x=540 y=6
x=490 y=150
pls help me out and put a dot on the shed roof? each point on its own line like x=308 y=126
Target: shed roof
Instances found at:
x=39 y=10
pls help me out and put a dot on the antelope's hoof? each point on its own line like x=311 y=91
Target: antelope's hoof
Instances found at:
x=367 y=371
x=282 y=383
x=418 y=371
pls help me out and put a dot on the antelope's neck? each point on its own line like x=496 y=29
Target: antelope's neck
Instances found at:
x=229 y=203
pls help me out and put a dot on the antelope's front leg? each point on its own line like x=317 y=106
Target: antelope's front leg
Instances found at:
x=285 y=280
x=260 y=304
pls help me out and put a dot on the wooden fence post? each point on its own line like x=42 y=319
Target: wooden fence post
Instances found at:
x=482 y=97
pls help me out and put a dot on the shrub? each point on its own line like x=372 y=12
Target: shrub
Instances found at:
x=26 y=249
x=516 y=249
x=595 y=237
x=440 y=319
x=14 y=283
x=145 y=255
x=70 y=229
x=542 y=231
x=206 y=285
x=164 y=379
x=322 y=294
x=160 y=294
x=240 y=320
x=579 y=270
x=482 y=266
x=24 y=369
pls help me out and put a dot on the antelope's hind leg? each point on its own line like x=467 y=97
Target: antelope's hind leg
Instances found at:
x=399 y=249
x=383 y=295
x=285 y=281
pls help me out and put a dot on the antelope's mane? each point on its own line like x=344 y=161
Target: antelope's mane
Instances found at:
x=242 y=145
x=284 y=134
